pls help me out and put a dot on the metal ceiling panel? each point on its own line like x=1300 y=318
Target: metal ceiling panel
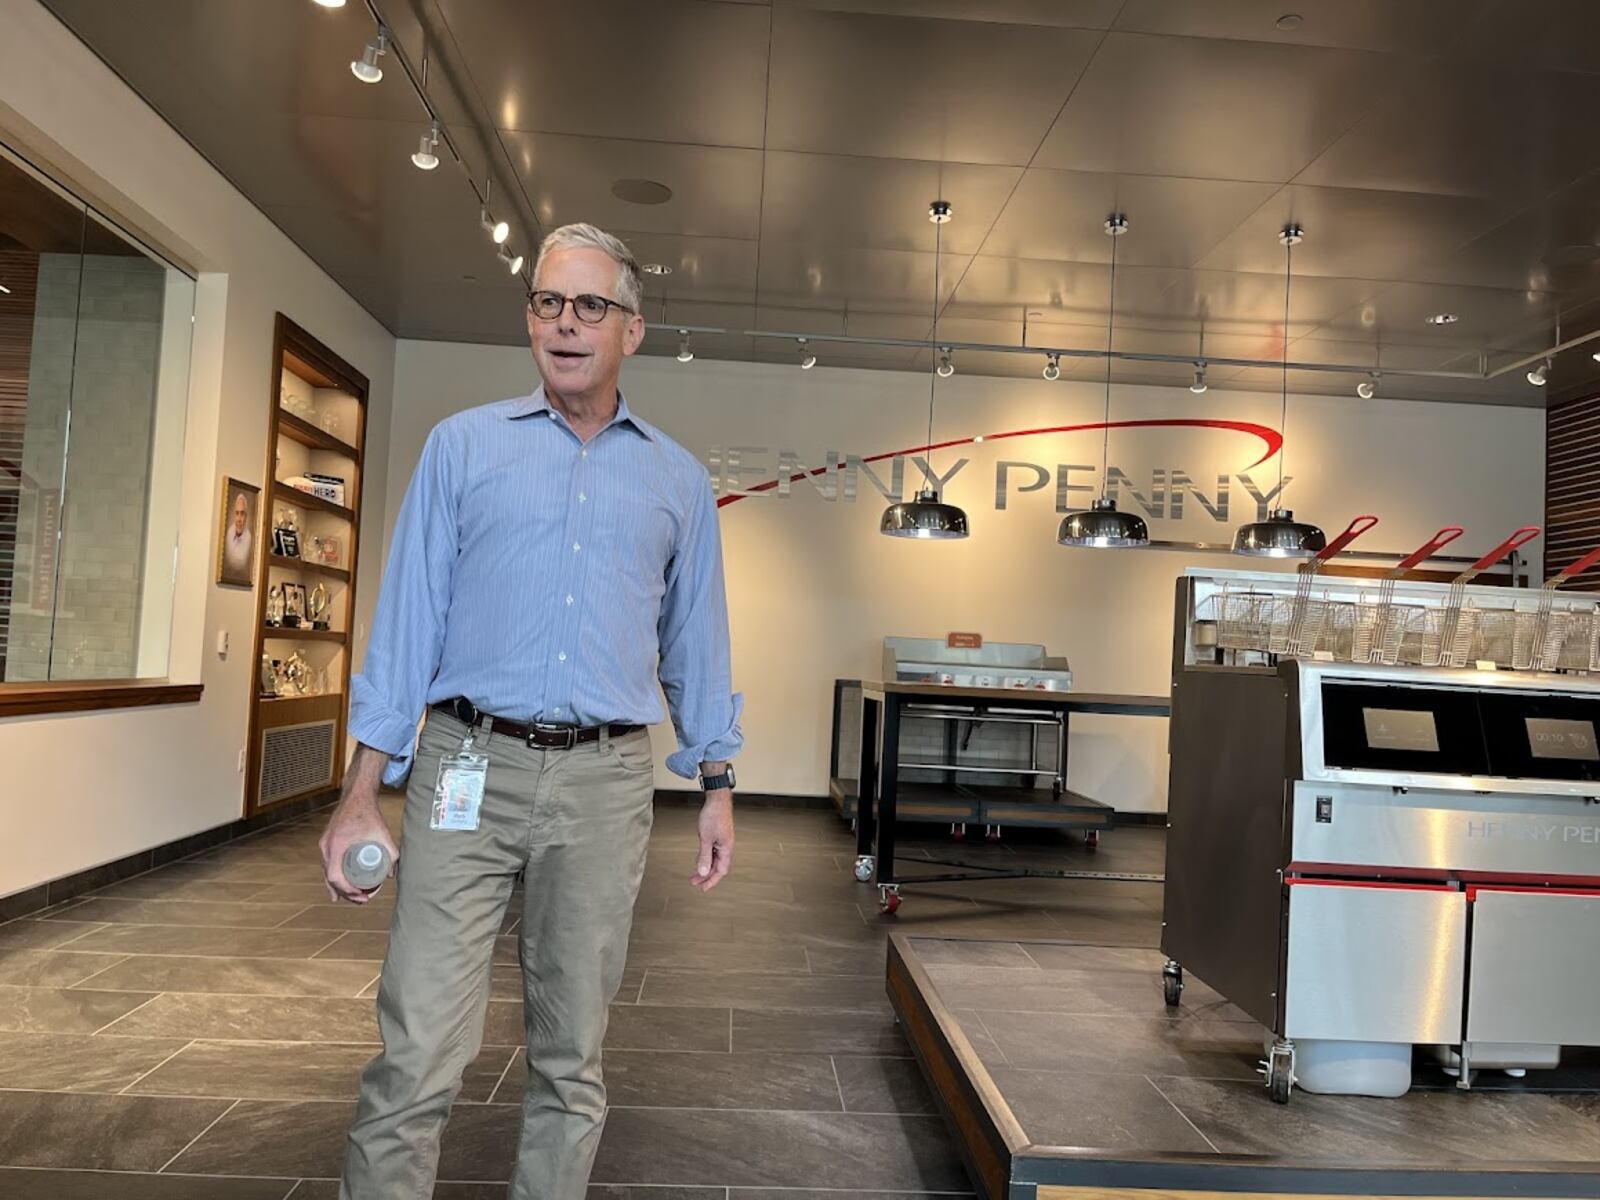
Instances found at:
x=715 y=189
x=1470 y=129
x=1067 y=14
x=712 y=269
x=1487 y=317
x=1208 y=108
x=854 y=280
x=879 y=203
x=1172 y=222
x=1063 y=292
x=897 y=87
x=670 y=70
x=1252 y=302
x=1355 y=233
x=1411 y=27
x=482 y=311
x=1552 y=34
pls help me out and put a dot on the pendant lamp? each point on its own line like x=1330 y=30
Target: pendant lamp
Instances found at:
x=928 y=516
x=1102 y=527
x=1280 y=535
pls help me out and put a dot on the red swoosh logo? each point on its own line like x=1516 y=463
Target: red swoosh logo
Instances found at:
x=1271 y=438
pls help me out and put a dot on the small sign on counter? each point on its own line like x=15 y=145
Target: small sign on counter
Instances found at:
x=964 y=641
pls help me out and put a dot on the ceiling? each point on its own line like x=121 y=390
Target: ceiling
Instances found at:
x=1442 y=156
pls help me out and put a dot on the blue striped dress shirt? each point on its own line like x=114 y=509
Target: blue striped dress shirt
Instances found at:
x=548 y=580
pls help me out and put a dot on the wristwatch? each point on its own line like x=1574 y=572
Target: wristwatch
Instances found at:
x=714 y=783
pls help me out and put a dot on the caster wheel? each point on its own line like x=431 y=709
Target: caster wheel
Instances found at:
x=889 y=903
x=1091 y=840
x=1279 y=1070
x=958 y=833
x=864 y=869
x=1172 y=984
x=991 y=834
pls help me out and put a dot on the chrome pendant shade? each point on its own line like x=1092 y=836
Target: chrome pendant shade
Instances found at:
x=1279 y=536
x=925 y=517
x=1102 y=527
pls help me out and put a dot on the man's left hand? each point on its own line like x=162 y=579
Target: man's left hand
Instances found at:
x=716 y=840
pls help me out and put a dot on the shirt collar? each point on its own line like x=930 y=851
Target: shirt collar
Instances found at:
x=527 y=406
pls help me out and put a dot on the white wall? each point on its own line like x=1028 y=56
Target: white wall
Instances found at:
x=813 y=587
x=118 y=782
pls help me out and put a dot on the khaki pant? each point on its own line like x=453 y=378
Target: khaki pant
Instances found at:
x=578 y=822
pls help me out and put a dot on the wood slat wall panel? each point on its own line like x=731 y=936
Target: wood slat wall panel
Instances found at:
x=1572 y=488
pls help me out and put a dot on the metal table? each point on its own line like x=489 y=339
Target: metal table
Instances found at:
x=882 y=704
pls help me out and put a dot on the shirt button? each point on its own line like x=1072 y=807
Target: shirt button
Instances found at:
x=562 y=657
x=583 y=454
x=576 y=547
x=582 y=498
x=569 y=599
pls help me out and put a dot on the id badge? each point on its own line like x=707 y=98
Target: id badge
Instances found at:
x=458 y=794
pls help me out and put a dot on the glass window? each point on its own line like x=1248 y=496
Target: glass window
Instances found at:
x=94 y=374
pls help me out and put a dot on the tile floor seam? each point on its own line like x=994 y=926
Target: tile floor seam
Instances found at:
x=129 y=1088
x=989 y=1033
x=499 y=1083
x=293 y=915
x=96 y=974
x=200 y=1135
x=127 y=1014
x=833 y=1062
x=366 y=985
x=1214 y=1149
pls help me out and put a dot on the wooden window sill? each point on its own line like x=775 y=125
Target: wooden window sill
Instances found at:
x=21 y=699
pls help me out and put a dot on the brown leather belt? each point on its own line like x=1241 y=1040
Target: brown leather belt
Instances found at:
x=535 y=735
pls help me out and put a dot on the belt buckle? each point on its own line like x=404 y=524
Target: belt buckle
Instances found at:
x=569 y=731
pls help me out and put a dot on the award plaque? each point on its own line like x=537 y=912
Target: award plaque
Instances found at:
x=317 y=607
x=285 y=535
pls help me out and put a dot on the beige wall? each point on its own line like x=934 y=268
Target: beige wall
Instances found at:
x=813 y=586
x=76 y=791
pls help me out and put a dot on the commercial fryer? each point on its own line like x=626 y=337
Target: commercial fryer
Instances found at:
x=1391 y=850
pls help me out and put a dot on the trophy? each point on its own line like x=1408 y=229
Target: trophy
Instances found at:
x=325 y=549
x=317 y=607
x=285 y=534
x=331 y=424
x=297 y=674
x=269 y=675
x=275 y=605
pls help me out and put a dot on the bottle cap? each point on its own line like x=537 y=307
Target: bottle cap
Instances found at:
x=370 y=855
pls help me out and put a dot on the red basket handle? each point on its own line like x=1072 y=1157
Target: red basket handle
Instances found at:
x=1520 y=538
x=1435 y=544
x=1571 y=569
x=1352 y=531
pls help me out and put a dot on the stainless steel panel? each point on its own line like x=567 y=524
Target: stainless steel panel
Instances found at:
x=900 y=87
x=1413 y=27
x=1268 y=110
x=1442 y=832
x=896 y=281
x=1535 y=969
x=1375 y=964
x=1074 y=14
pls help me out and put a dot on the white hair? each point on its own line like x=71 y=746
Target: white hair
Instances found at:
x=630 y=281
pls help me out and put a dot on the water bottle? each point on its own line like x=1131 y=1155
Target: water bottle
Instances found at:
x=366 y=865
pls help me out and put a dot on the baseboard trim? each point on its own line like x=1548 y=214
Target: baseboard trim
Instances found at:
x=1156 y=819
x=68 y=887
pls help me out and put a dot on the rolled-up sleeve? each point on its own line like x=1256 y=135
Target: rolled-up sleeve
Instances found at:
x=402 y=659
x=696 y=662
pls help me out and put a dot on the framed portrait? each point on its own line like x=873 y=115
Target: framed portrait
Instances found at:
x=294 y=604
x=237 y=530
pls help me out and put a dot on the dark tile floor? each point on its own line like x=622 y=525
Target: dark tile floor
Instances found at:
x=196 y=1033
x=1090 y=1023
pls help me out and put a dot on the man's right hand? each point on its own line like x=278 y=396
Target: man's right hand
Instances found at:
x=357 y=819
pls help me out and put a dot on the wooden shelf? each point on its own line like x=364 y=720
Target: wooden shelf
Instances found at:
x=300 y=564
x=295 y=496
x=286 y=700
x=307 y=434
x=304 y=634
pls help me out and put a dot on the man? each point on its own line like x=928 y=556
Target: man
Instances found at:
x=236 y=546
x=554 y=555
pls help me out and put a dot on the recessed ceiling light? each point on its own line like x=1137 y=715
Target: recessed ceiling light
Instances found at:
x=641 y=191
x=4 y=290
x=656 y=269
x=1443 y=319
x=1290 y=21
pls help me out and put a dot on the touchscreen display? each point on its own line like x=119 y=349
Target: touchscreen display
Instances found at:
x=1571 y=740
x=1400 y=729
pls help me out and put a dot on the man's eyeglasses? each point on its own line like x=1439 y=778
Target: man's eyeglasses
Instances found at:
x=591 y=310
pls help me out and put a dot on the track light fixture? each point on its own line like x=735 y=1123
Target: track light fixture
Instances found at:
x=947 y=366
x=498 y=230
x=1368 y=388
x=512 y=261
x=425 y=159
x=1540 y=375
x=331 y=3
x=807 y=358
x=1198 y=387
x=1052 y=368
x=685 y=350
x=366 y=67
